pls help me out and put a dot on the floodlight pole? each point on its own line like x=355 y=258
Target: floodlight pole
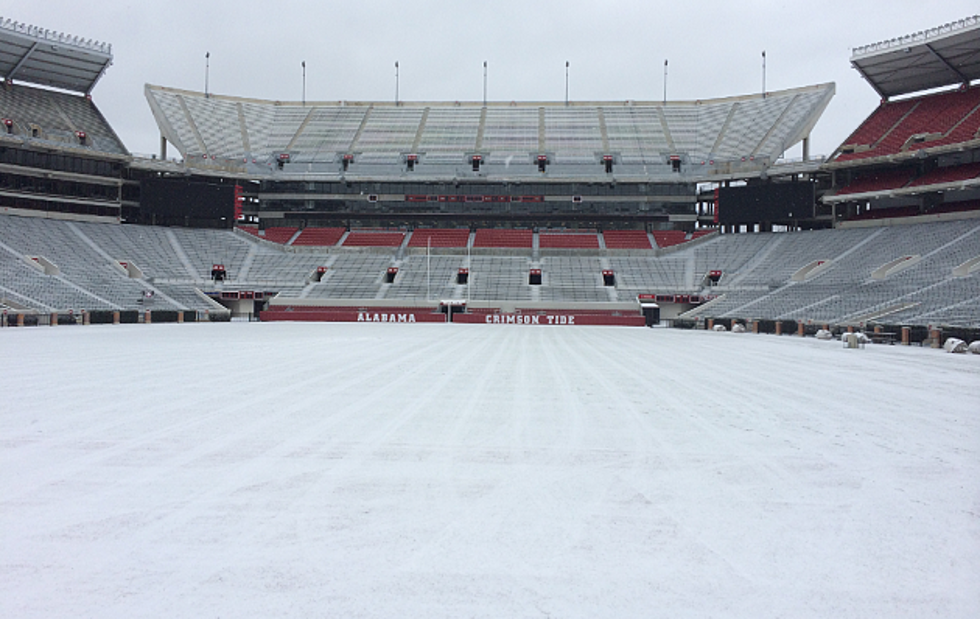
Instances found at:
x=396 y=83
x=665 y=81
x=763 y=74
x=484 y=83
x=207 y=72
x=304 y=83
x=566 y=83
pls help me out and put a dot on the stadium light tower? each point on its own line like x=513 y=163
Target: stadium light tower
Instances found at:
x=484 y=83
x=207 y=72
x=665 y=81
x=566 y=83
x=304 y=83
x=763 y=74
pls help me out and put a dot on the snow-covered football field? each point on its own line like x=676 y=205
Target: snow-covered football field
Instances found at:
x=377 y=470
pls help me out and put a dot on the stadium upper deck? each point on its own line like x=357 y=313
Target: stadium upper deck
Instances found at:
x=683 y=141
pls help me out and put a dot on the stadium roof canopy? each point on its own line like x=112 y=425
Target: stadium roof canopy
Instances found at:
x=48 y=58
x=941 y=56
x=675 y=141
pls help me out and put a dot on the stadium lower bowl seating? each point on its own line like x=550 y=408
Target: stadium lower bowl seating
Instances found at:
x=89 y=269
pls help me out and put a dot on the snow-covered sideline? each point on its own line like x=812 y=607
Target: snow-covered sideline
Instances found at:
x=362 y=470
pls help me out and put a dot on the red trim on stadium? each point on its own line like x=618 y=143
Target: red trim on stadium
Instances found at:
x=489 y=316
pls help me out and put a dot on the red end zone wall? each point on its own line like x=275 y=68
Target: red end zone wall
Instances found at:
x=347 y=314
x=557 y=317
x=554 y=318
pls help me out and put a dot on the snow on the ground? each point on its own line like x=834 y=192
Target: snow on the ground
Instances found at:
x=350 y=470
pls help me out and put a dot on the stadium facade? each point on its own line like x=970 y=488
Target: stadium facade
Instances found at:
x=495 y=212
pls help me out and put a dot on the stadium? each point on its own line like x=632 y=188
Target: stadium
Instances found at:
x=286 y=464
x=321 y=210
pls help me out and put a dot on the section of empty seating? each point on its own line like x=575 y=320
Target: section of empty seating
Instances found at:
x=556 y=240
x=489 y=237
x=728 y=253
x=351 y=276
x=757 y=271
x=87 y=279
x=439 y=237
x=499 y=277
x=923 y=122
x=52 y=116
x=206 y=248
x=510 y=135
x=626 y=239
x=669 y=238
x=643 y=275
x=879 y=180
x=279 y=234
x=875 y=127
x=572 y=279
x=273 y=267
x=372 y=238
x=253 y=230
x=432 y=277
x=148 y=247
x=948 y=174
x=319 y=237
x=846 y=290
x=23 y=286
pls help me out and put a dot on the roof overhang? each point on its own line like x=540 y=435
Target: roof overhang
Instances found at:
x=47 y=58
x=933 y=58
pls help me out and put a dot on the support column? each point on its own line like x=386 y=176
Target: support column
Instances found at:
x=163 y=148
x=180 y=316
x=711 y=324
x=779 y=327
x=906 y=336
x=147 y=317
x=54 y=319
x=20 y=320
x=755 y=327
x=86 y=318
x=800 y=329
x=936 y=336
x=806 y=148
x=115 y=318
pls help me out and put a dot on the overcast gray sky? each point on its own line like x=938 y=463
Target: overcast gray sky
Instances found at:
x=616 y=49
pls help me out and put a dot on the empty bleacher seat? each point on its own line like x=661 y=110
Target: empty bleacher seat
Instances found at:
x=279 y=234
x=568 y=241
x=363 y=238
x=319 y=237
x=626 y=239
x=439 y=237
x=491 y=237
x=669 y=238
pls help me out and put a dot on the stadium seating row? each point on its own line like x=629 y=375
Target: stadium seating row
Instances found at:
x=484 y=237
